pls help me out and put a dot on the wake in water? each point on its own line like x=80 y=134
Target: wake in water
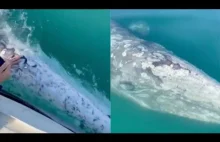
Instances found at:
x=59 y=93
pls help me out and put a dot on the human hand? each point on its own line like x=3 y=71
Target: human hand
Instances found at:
x=5 y=71
x=15 y=59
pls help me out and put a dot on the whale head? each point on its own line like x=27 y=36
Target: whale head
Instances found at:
x=156 y=79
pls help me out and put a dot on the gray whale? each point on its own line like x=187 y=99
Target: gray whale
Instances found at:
x=36 y=76
x=151 y=76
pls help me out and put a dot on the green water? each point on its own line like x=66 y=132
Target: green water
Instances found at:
x=193 y=38
x=79 y=37
x=128 y=117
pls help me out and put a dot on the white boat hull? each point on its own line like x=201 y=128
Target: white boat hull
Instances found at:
x=17 y=118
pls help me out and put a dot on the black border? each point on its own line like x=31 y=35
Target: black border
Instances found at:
x=108 y=137
x=40 y=4
x=56 y=137
x=113 y=4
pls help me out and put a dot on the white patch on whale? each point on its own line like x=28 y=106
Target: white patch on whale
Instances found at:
x=134 y=64
x=127 y=45
x=138 y=54
x=144 y=65
x=120 y=64
x=124 y=53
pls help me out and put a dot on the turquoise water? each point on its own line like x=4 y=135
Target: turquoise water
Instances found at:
x=191 y=35
x=129 y=117
x=77 y=39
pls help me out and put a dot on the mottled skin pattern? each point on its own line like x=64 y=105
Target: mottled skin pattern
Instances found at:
x=148 y=74
x=48 y=85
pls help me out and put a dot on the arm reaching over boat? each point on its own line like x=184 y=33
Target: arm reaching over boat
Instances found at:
x=5 y=71
x=5 y=68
